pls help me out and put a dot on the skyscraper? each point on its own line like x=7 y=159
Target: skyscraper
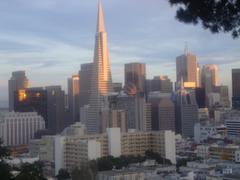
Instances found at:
x=186 y=66
x=166 y=110
x=236 y=88
x=32 y=100
x=85 y=83
x=135 y=73
x=209 y=77
x=186 y=112
x=101 y=80
x=55 y=108
x=17 y=81
x=159 y=83
x=73 y=98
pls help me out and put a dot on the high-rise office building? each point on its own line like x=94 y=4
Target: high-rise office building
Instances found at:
x=236 y=88
x=32 y=100
x=55 y=108
x=85 y=84
x=166 y=110
x=17 y=81
x=209 y=77
x=157 y=120
x=101 y=80
x=137 y=111
x=135 y=73
x=199 y=76
x=111 y=118
x=73 y=98
x=186 y=66
x=159 y=83
x=224 y=95
x=200 y=94
x=186 y=112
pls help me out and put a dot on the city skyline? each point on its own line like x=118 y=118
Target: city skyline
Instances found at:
x=55 y=52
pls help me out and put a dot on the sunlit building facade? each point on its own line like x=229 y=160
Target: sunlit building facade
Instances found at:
x=101 y=80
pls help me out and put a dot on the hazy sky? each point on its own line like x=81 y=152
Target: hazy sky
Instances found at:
x=51 y=38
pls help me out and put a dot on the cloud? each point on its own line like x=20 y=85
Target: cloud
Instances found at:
x=51 y=38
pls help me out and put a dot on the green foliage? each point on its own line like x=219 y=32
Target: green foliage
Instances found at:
x=215 y=15
x=159 y=159
x=4 y=151
x=109 y=162
x=31 y=172
x=5 y=171
x=84 y=173
x=63 y=175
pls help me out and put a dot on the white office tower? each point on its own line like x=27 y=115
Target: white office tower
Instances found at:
x=19 y=128
x=101 y=81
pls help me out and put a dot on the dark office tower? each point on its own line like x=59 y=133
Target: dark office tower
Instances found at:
x=166 y=110
x=55 y=108
x=200 y=97
x=31 y=100
x=159 y=83
x=17 y=81
x=73 y=98
x=186 y=66
x=117 y=87
x=135 y=73
x=85 y=83
x=155 y=98
x=186 y=113
x=236 y=88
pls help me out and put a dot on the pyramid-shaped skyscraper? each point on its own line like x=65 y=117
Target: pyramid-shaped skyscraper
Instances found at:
x=101 y=81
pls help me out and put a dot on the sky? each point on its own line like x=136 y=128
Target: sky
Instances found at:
x=49 y=39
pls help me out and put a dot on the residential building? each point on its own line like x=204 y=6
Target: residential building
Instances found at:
x=72 y=151
x=18 y=128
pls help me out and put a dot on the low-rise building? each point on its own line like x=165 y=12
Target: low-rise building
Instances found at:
x=121 y=174
x=73 y=151
x=223 y=152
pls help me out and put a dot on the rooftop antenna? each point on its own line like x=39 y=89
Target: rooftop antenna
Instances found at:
x=186 y=48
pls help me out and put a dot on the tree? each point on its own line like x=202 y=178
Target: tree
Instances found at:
x=83 y=173
x=31 y=172
x=215 y=15
x=4 y=151
x=157 y=157
x=63 y=174
x=5 y=169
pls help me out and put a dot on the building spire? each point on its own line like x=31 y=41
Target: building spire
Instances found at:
x=186 y=48
x=100 y=24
